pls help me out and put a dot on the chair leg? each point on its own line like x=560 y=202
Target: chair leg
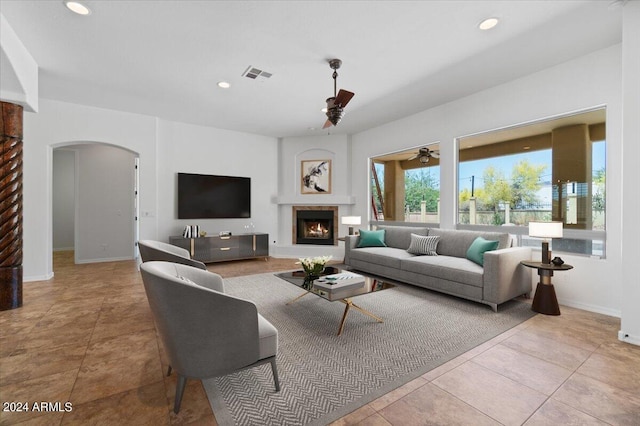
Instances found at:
x=182 y=381
x=169 y=371
x=274 y=370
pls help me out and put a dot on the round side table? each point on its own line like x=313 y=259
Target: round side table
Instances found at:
x=545 y=300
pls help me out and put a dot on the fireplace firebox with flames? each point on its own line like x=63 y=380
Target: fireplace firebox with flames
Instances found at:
x=314 y=227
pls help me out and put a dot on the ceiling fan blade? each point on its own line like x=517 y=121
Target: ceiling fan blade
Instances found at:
x=413 y=157
x=327 y=124
x=343 y=98
x=434 y=154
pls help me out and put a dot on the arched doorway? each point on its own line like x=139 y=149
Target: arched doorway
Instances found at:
x=94 y=201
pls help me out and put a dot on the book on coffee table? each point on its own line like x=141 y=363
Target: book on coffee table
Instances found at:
x=339 y=281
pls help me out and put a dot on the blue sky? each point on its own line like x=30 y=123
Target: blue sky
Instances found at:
x=505 y=164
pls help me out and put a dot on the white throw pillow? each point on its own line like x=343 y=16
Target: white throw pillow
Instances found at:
x=421 y=244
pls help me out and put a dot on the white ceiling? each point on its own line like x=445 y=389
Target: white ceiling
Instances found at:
x=164 y=58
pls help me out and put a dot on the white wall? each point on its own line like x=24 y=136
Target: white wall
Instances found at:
x=60 y=123
x=104 y=204
x=575 y=85
x=630 y=327
x=161 y=147
x=205 y=150
x=63 y=198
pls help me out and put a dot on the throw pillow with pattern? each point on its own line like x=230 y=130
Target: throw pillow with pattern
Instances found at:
x=421 y=244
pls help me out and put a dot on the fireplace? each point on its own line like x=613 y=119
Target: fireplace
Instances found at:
x=315 y=225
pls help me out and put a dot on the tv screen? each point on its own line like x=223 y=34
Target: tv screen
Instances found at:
x=213 y=197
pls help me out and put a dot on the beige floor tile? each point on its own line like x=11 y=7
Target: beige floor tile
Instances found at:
x=146 y=405
x=124 y=319
x=29 y=364
x=355 y=417
x=600 y=400
x=559 y=353
x=481 y=388
x=110 y=376
x=621 y=351
x=447 y=366
x=53 y=388
x=47 y=338
x=117 y=347
x=430 y=405
x=556 y=413
x=567 y=334
x=374 y=420
x=613 y=371
x=528 y=370
x=398 y=393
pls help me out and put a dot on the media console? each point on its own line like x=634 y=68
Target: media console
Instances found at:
x=222 y=248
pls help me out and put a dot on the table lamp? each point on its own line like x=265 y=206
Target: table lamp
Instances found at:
x=351 y=220
x=545 y=230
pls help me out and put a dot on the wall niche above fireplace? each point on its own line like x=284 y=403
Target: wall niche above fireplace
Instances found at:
x=316 y=225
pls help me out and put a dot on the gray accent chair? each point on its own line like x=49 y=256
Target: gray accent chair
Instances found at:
x=206 y=333
x=155 y=250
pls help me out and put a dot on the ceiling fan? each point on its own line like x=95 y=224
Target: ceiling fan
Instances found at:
x=424 y=154
x=336 y=104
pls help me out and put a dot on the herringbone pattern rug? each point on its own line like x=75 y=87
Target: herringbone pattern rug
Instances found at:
x=325 y=376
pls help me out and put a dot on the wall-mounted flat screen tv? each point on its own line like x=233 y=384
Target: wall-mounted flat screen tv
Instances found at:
x=213 y=197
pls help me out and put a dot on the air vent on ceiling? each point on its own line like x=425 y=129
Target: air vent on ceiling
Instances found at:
x=254 y=73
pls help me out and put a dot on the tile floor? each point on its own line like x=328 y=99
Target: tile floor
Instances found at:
x=87 y=337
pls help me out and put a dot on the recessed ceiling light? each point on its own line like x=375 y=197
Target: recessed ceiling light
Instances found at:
x=488 y=23
x=223 y=85
x=77 y=7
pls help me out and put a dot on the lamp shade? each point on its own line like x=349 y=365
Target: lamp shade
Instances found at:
x=351 y=220
x=545 y=229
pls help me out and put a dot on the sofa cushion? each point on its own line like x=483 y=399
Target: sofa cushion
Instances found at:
x=400 y=236
x=371 y=238
x=457 y=242
x=449 y=268
x=384 y=256
x=476 y=250
x=423 y=245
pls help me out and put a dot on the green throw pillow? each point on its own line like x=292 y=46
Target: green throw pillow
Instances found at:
x=371 y=238
x=476 y=250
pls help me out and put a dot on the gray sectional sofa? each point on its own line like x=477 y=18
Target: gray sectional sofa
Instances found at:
x=499 y=279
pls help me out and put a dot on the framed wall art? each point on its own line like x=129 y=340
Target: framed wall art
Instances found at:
x=316 y=176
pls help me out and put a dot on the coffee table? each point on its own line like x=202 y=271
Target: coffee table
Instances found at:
x=343 y=295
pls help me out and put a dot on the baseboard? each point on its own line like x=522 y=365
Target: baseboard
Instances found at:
x=625 y=337
x=110 y=259
x=591 y=308
x=32 y=278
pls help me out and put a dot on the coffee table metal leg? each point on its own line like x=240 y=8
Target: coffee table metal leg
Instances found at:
x=297 y=298
x=344 y=316
x=350 y=304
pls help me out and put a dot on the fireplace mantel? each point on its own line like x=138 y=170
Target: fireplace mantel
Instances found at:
x=314 y=200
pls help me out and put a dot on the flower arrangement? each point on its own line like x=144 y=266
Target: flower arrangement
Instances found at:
x=313 y=266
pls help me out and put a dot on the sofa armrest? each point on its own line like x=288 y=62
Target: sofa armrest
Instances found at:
x=350 y=242
x=504 y=276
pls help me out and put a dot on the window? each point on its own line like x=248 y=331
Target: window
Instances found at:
x=405 y=186
x=549 y=170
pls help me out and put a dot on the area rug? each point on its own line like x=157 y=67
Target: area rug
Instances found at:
x=325 y=376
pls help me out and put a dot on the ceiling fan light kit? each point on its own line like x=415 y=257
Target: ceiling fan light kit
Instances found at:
x=336 y=103
x=424 y=155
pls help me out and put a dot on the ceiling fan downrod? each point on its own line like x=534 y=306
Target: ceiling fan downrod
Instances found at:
x=334 y=113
